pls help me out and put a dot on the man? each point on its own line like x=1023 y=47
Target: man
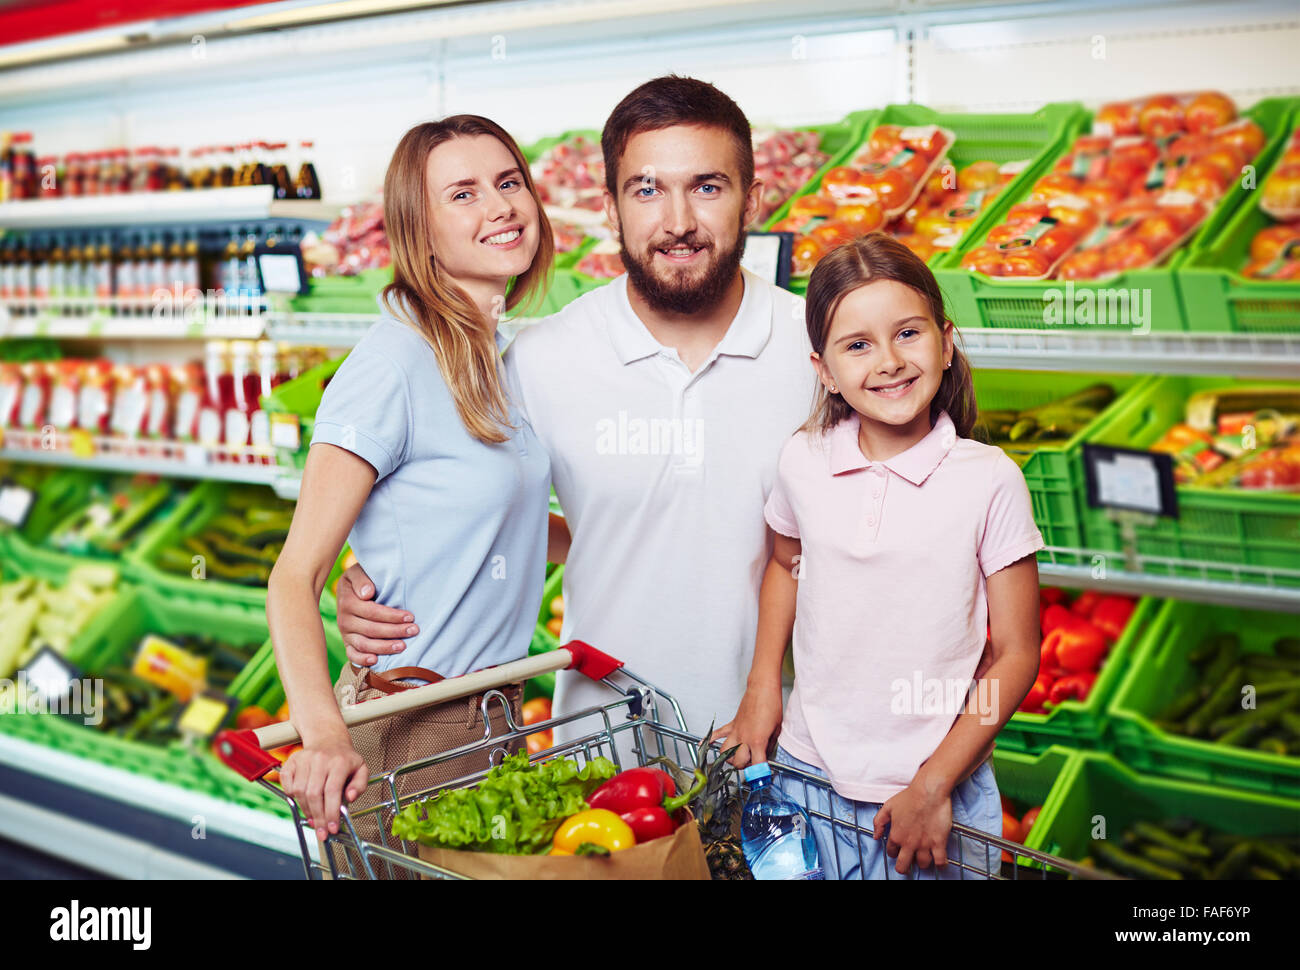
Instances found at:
x=663 y=400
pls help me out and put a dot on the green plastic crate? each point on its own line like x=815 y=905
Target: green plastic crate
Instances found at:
x=981 y=301
x=1160 y=673
x=260 y=682
x=301 y=397
x=979 y=137
x=203 y=504
x=1221 y=527
x=1083 y=724
x=1031 y=779
x=1054 y=473
x=112 y=639
x=344 y=294
x=1095 y=788
x=1216 y=296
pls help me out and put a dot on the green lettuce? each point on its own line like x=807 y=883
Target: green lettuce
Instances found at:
x=515 y=810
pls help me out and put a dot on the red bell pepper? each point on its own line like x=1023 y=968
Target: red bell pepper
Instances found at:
x=1038 y=695
x=1054 y=616
x=1111 y=615
x=1078 y=647
x=1051 y=594
x=1074 y=687
x=646 y=799
x=1084 y=604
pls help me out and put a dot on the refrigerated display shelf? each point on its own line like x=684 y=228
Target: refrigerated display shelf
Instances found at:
x=247 y=202
x=1216 y=354
x=142 y=829
x=77 y=449
x=1249 y=587
x=131 y=328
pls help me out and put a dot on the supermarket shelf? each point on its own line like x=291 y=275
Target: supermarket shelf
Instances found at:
x=319 y=329
x=1252 y=588
x=142 y=828
x=131 y=328
x=136 y=456
x=248 y=202
x=1236 y=355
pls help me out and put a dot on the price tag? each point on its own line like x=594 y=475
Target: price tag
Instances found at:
x=1122 y=478
x=42 y=325
x=204 y=715
x=767 y=256
x=15 y=504
x=285 y=431
x=50 y=676
x=196 y=455
x=83 y=445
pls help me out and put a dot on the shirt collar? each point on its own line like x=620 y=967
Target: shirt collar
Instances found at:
x=916 y=464
x=748 y=334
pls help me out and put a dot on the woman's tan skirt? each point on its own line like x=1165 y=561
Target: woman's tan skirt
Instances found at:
x=393 y=741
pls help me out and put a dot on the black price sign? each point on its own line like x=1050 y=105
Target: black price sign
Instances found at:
x=767 y=255
x=1123 y=478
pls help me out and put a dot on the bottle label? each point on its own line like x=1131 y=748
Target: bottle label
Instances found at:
x=32 y=406
x=63 y=407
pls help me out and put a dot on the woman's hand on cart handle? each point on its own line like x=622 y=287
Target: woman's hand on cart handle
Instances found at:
x=320 y=776
x=369 y=628
x=755 y=725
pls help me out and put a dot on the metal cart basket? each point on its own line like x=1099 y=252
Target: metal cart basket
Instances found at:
x=639 y=723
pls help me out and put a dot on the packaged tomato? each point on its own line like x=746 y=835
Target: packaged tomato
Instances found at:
x=1281 y=190
x=1033 y=240
x=1163 y=115
x=893 y=168
x=943 y=225
x=1274 y=253
x=1136 y=234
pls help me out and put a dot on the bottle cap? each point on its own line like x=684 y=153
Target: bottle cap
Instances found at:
x=755 y=772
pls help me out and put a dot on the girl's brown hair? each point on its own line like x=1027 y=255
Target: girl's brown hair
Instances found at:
x=877 y=256
x=462 y=341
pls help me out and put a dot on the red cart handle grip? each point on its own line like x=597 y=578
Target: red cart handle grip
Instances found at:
x=589 y=661
x=240 y=750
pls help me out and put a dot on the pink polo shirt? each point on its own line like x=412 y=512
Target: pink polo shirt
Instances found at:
x=891 y=612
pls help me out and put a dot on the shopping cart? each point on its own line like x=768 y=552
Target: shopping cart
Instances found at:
x=630 y=722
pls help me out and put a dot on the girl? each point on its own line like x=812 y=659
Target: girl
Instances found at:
x=895 y=539
x=419 y=459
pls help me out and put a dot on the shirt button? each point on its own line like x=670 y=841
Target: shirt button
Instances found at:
x=875 y=493
x=871 y=520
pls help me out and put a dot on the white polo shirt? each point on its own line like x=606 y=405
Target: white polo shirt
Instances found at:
x=662 y=475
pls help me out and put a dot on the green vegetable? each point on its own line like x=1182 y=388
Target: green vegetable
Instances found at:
x=515 y=810
x=1129 y=864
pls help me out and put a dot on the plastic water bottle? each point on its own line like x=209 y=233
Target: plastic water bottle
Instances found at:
x=776 y=834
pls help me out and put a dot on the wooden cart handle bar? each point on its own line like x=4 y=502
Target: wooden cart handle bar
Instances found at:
x=246 y=751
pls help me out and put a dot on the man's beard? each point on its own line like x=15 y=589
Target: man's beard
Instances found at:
x=683 y=296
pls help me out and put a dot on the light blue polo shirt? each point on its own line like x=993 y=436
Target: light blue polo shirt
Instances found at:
x=454 y=530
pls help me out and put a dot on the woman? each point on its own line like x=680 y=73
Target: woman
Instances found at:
x=421 y=461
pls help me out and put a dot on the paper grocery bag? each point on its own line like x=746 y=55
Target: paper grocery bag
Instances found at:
x=676 y=856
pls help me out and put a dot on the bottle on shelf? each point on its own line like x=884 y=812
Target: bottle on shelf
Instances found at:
x=64 y=391
x=190 y=265
x=95 y=396
x=81 y=274
x=231 y=273
x=104 y=272
x=11 y=393
x=226 y=166
x=131 y=401
x=33 y=406
x=188 y=394
x=24 y=167
x=250 y=281
x=41 y=276
x=8 y=258
x=776 y=833
x=244 y=384
x=280 y=176
x=158 y=410
x=175 y=175
x=58 y=276
x=306 y=184
x=24 y=278
x=50 y=173
x=124 y=276
x=6 y=166
x=219 y=393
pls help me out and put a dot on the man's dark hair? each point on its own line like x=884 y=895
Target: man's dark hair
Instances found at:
x=672 y=100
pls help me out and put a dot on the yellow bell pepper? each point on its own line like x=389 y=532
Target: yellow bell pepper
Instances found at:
x=596 y=831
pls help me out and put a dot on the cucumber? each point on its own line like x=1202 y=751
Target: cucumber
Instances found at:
x=1272 y=745
x=1172 y=860
x=1125 y=863
x=1219 y=701
x=1259 y=872
x=1183 y=705
x=1224 y=662
x=1287 y=647
x=1154 y=833
x=1233 y=865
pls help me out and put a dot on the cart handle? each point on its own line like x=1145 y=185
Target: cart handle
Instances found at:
x=247 y=751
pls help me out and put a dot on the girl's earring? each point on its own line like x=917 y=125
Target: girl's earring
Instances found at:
x=833 y=390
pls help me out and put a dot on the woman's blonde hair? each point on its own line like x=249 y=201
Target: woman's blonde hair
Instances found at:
x=462 y=341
